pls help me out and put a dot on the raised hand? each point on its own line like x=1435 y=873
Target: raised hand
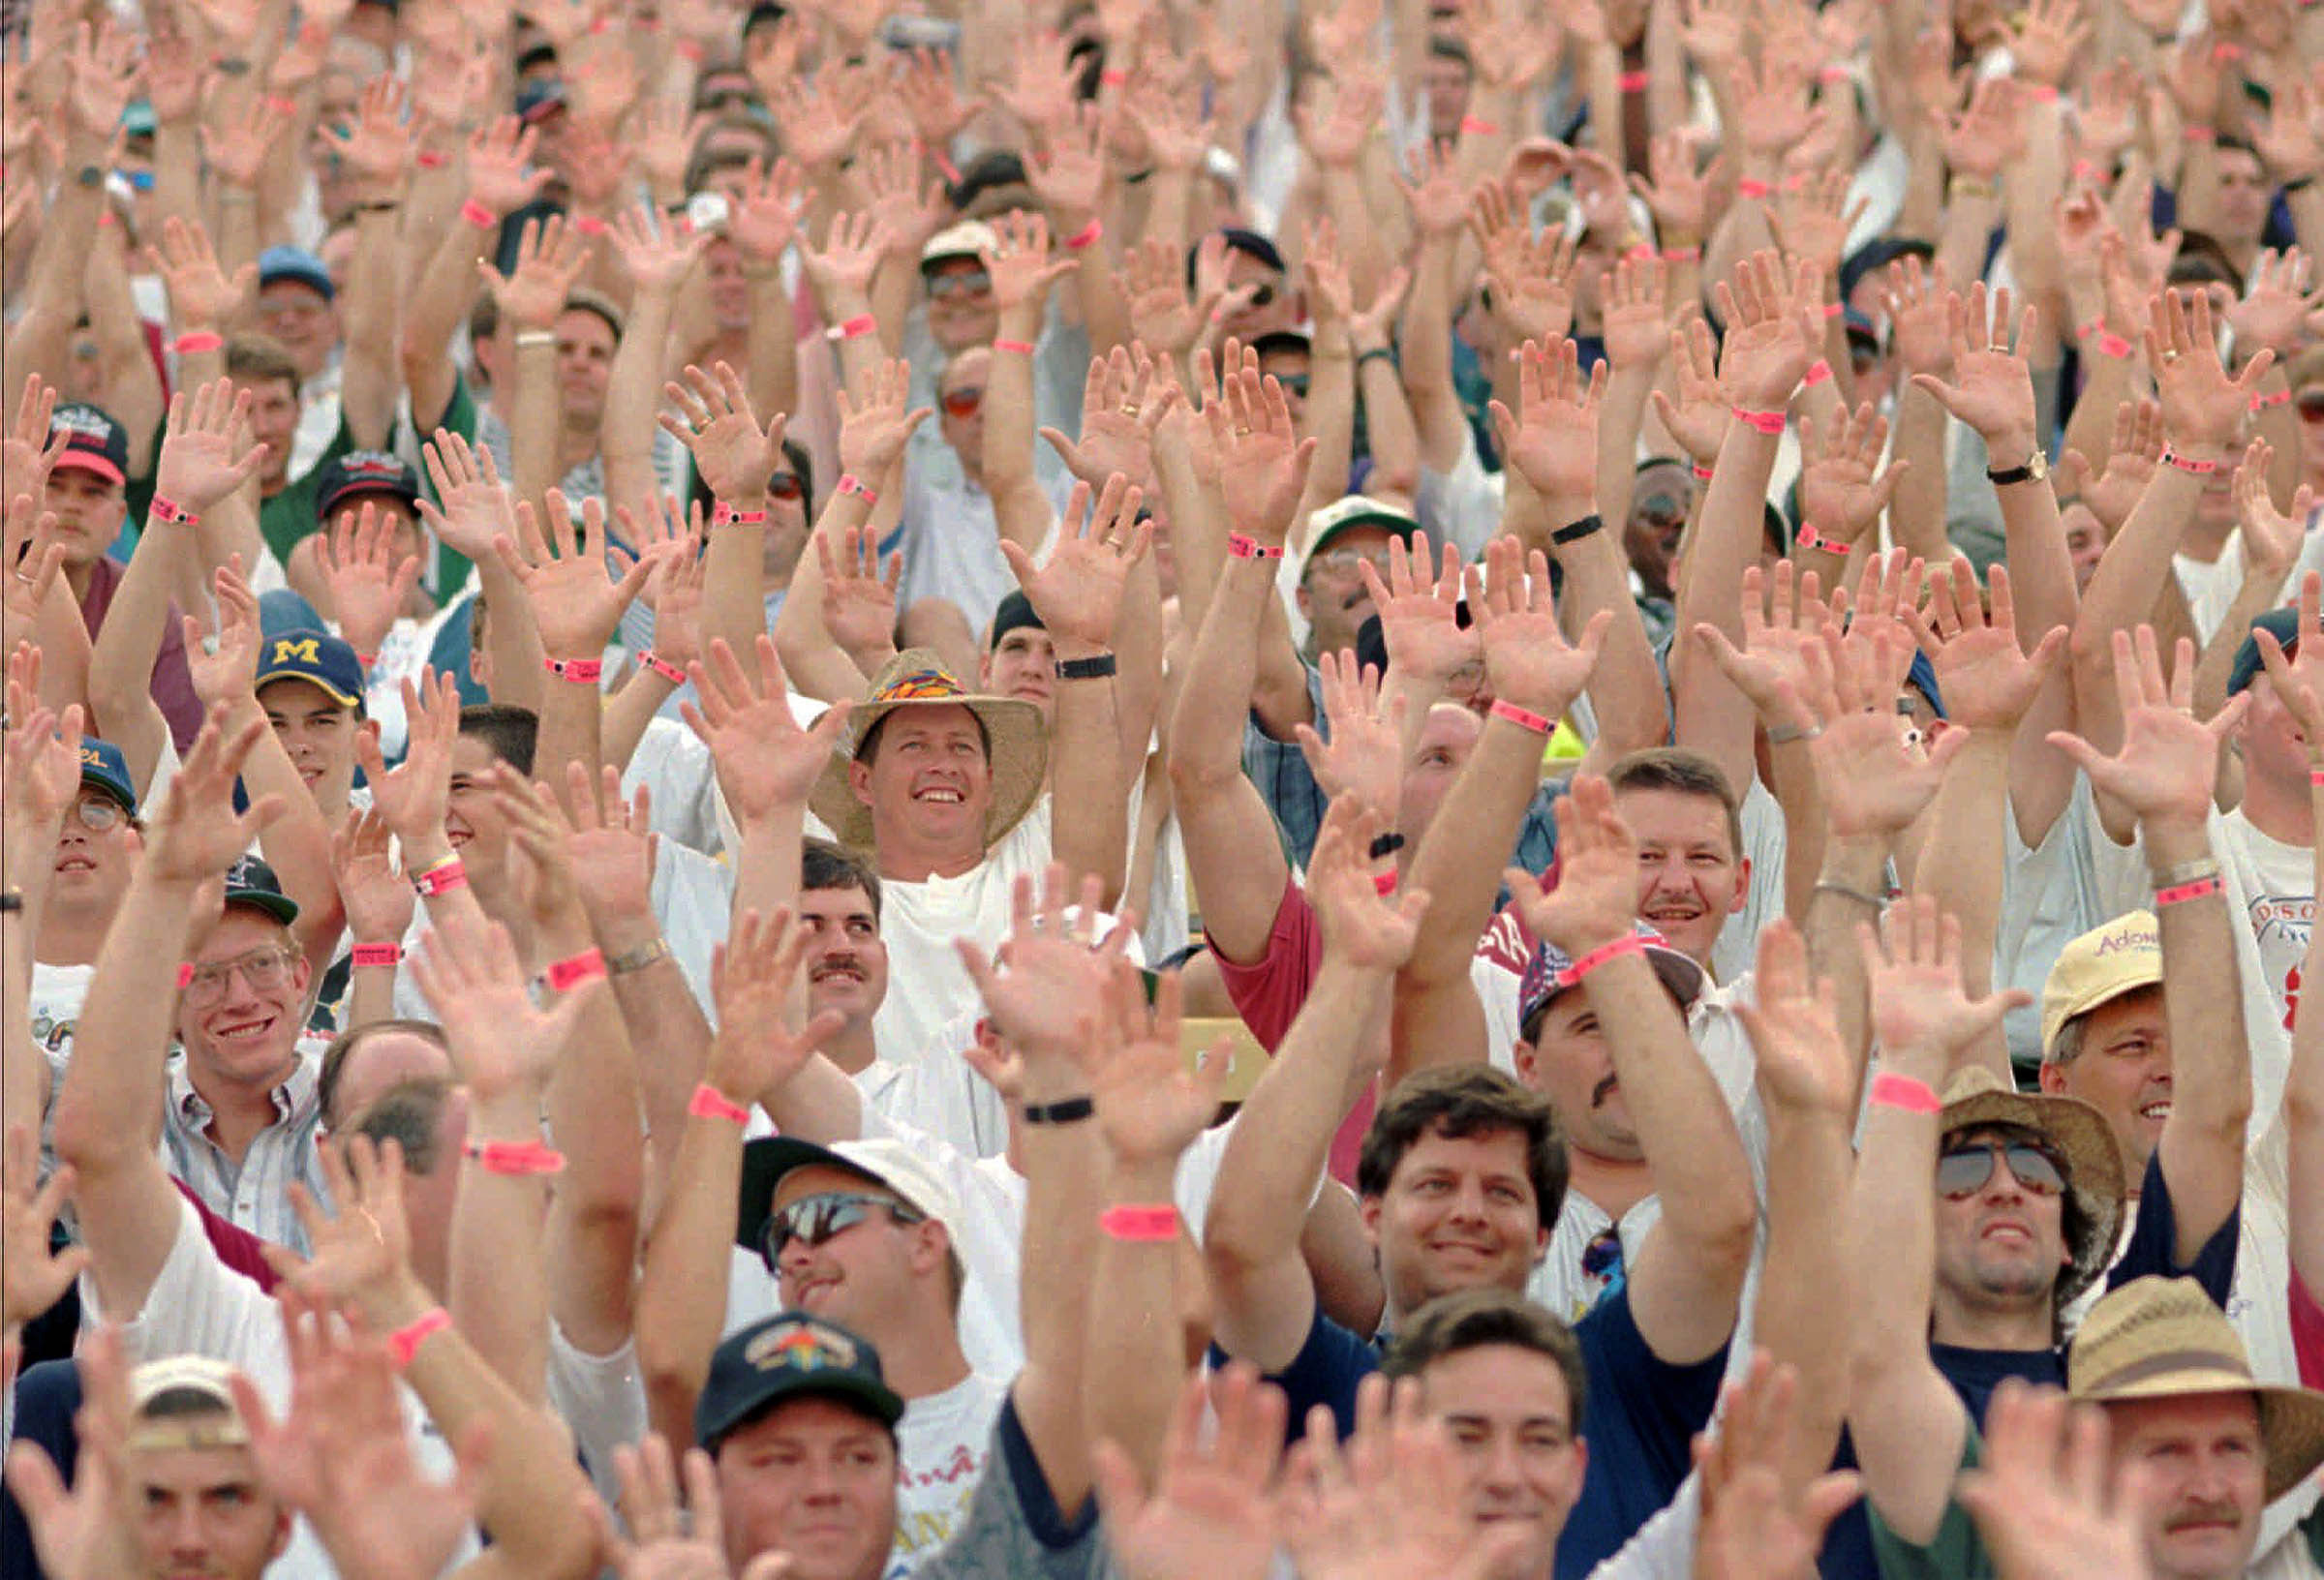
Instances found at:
x=32 y=1277
x=2201 y=405
x=1532 y=277
x=477 y=505
x=1419 y=620
x=1153 y=286
x=92 y=1529
x=362 y=1248
x=764 y=219
x=1912 y=966
x=1262 y=461
x=541 y=874
x=752 y=976
x=501 y=1043
x=767 y=765
x=1210 y=1512
x=734 y=454
x=202 y=295
x=1526 y=655
x=575 y=599
x=1019 y=262
x=610 y=848
x=1362 y=926
x=906 y=210
x=412 y=798
x=2169 y=762
x=1365 y=758
x=501 y=173
x=40 y=768
x=225 y=671
x=196 y=834
x=376 y=147
x=1920 y=314
x=31 y=448
x=859 y=599
x=1773 y=329
x=1698 y=418
x=1751 y=1526
x=1987 y=681
x=369 y=588
x=1784 y=617
x=2043 y=1498
x=1991 y=133
x=550 y=258
x=1875 y=776
x=1553 y=442
x=1078 y=591
x=2299 y=681
x=875 y=426
x=2130 y=456
x=1150 y=1106
x=1596 y=899
x=380 y=899
x=1124 y=399
x=1812 y=222
x=1051 y=968
x=1842 y=487
x=104 y=69
x=1637 y=323
x=1067 y=172
x=842 y=269
x=2271 y=538
x=1794 y=1029
x=654 y=250
x=206 y=452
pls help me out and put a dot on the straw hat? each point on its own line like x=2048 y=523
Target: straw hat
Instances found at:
x=2161 y=1338
x=1976 y=1096
x=1016 y=745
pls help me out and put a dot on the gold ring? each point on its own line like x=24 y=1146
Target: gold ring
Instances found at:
x=2169 y=357
x=1242 y=433
x=1129 y=409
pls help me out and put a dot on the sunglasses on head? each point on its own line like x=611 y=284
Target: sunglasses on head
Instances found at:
x=972 y=283
x=1964 y=1169
x=818 y=1217
x=962 y=403
x=785 y=486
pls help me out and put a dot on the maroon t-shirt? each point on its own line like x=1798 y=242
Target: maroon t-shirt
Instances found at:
x=172 y=683
x=2308 y=1333
x=236 y=1246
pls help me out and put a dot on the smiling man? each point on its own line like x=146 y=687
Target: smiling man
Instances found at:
x=311 y=685
x=97 y=851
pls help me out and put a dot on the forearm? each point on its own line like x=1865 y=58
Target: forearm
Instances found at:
x=632 y=396
x=1459 y=860
x=368 y=376
x=1852 y=890
x=2130 y=575
x=1961 y=866
x=662 y=1014
x=1089 y=828
x=439 y=303
x=2303 y=1112
x=122 y=657
x=1710 y=715
x=1060 y=1242
x=1135 y=1360
x=297 y=844
x=1394 y=439
x=1625 y=686
x=1020 y=508
x=572 y=715
x=593 y=1111
x=2202 y=1146
x=1917 y=515
x=1331 y=417
x=532 y=406
x=498 y=1288
x=1096 y=287
x=628 y=712
x=816 y=665
x=2259 y=593
x=1427 y=353
x=1804 y=1281
x=1799 y=795
x=773 y=343
x=682 y=1296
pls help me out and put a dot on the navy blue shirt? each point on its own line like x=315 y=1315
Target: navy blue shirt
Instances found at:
x=1639 y=1417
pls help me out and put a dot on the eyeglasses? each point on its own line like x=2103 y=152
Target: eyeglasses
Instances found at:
x=821 y=1217
x=263 y=970
x=1343 y=562
x=1963 y=1170
x=784 y=486
x=1261 y=296
x=969 y=283
x=97 y=813
x=963 y=403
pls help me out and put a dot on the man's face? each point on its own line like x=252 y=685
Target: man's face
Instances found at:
x=815 y=1481
x=274 y=422
x=1659 y=503
x=1022 y=664
x=961 y=406
x=2085 y=542
x=869 y=1275
x=201 y=1512
x=846 y=961
x=1689 y=878
x=1292 y=368
x=1459 y=1214
x=960 y=303
x=2203 y=1475
x=241 y=1015
x=2273 y=744
x=1569 y=1063
x=1269 y=306
x=88 y=513
x=585 y=346
x=1448 y=735
x=2123 y=1070
x=303 y=319
x=2001 y=1245
x=729 y=288
x=1332 y=590
x=929 y=774
x=1512 y=1420
x=319 y=735
x=93 y=865
x=478 y=829
x=1446 y=82
x=2244 y=196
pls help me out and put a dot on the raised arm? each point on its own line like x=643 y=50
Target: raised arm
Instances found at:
x=1022 y=276
x=475 y=510
x=373 y=152
x=550 y=260
x=2304 y=1087
x=734 y=456
x=501 y=180
x=658 y=258
x=1263 y=1294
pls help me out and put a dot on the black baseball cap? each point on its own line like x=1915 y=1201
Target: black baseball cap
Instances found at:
x=251 y=882
x=2282 y=624
x=1013 y=611
x=93 y=440
x=790 y=1355
x=358 y=472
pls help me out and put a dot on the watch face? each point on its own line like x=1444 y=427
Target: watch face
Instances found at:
x=89 y=175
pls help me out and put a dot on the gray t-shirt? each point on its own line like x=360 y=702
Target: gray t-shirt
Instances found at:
x=1013 y=1525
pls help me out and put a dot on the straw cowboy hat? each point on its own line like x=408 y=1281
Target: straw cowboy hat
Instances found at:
x=1974 y=1096
x=1016 y=745
x=2161 y=1338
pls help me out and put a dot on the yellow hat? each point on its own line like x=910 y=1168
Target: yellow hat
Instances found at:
x=2105 y=963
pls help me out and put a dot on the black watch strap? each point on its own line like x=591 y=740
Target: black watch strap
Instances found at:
x=1095 y=668
x=1072 y=1111
x=1578 y=531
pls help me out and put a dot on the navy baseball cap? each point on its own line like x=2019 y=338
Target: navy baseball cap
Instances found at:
x=93 y=440
x=322 y=661
x=1013 y=612
x=363 y=472
x=790 y=1355
x=251 y=882
x=104 y=768
x=1546 y=977
x=1922 y=678
x=297 y=265
x=2282 y=624
x=539 y=100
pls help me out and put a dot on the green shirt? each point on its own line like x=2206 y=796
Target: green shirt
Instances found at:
x=289 y=516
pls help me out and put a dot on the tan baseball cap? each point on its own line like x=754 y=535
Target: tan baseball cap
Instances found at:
x=2105 y=963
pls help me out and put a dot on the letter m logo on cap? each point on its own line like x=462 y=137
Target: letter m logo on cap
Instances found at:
x=299 y=651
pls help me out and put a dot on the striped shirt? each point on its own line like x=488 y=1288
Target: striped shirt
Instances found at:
x=253 y=1193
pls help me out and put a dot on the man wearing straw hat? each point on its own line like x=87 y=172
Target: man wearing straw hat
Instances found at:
x=2198 y=1445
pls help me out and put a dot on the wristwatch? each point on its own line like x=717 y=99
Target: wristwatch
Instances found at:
x=2036 y=467
x=638 y=958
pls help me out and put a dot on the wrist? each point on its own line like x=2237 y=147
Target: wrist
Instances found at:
x=504 y=1113
x=1139 y=1180
x=1857 y=861
x=423 y=851
x=395 y=1302
x=623 y=933
x=2174 y=838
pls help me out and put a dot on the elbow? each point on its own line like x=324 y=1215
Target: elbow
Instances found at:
x=1196 y=773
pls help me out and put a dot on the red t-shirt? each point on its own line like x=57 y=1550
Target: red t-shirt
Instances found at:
x=172 y=683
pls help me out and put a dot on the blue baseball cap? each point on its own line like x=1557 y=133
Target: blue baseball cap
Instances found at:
x=790 y=1355
x=251 y=882
x=322 y=661
x=358 y=472
x=1546 y=977
x=104 y=767
x=2282 y=624
x=297 y=265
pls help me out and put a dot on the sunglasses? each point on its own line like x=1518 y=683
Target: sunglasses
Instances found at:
x=785 y=486
x=263 y=969
x=2311 y=404
x=817 y=1219
x=962 y=403
x=1261 y=296
x=971 y=283
x=1963 y=1170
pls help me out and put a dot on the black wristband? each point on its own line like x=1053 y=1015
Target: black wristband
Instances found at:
x=1578 y=531
x=1387 y=845
x=1072 y=1111
x=1099 y=668
x=1385 y=353
x=12 y=902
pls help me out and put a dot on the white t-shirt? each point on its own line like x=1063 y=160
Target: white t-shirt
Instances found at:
x=674 y=765
x=940 y=1095
x=941 y=1446
x=602 y=1402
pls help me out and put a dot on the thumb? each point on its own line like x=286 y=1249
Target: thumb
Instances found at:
x=1068 y=450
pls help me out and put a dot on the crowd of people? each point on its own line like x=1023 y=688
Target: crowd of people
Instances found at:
x=1369 y=789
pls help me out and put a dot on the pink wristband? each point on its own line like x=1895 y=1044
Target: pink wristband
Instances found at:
x=1021 y=348
x=849 y=483
x=2281 y=396
x=1704 y=474
x=1503 y=708
x=589 y=225
x=1682 y=255
x=1770 y=423
x=477 y=215
x=722 y=514
x=428 y=159
x=1811 y=538
x=2046 y=92
x=709 y=1102
x=2197 y=468
x=1087 y=236
x=1385 y=882
x=2315 y=775
x=1633 y=81
x=1817 y=372
x=1141 y=1225
x=405 y=1342
x=169 y=513
x=579 y=671
x=1243 y=546
x=689 y=49
x=662 y=667
x=2198 y=889
x=1477 y=126
x=1748 y=188
x=185 y=975
x=198 y=341
x=368 y=660
x=377 y=954
x=515 y=1158
x=857 y=328
x=2093 y=326
x=1890 y=1090
x=444 y=877
x=2202 y=134
x=1832 y=309
x=1113 y=77
x=1832 y=73
x=563 y=976
x=1630 y=943
x=2114 y=345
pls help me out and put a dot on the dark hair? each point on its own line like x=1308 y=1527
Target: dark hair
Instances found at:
x=181 y=1404
x=823 y=864
x=1459 y=1101
x=336 y=1057
x=1444 y=47
x=989 y=171
x=1684 y=772
x=596 y=303
x=803 y=465
x=868 y=749
x=510 y=732
x=708 y=160
x=1473 y=1319
x=409 y=1113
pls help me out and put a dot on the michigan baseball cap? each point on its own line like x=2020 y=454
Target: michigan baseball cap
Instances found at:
x=297 y=265
x=93 y=440
x=251 y=882
x=363 y=472
x=790 y=1355
x=102 y=766
x=2105 y=963
x=322 y=661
